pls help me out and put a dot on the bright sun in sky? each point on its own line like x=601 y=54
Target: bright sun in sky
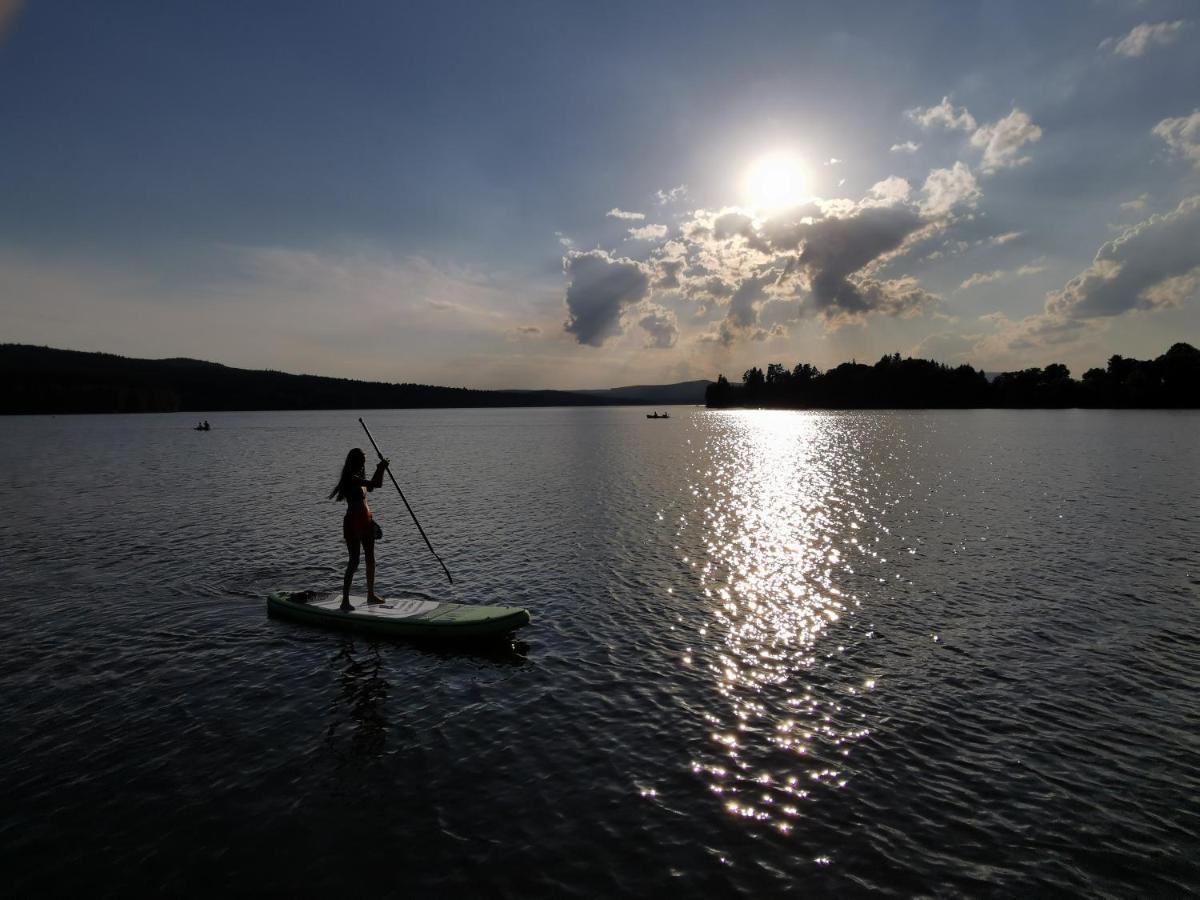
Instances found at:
x=776 y=181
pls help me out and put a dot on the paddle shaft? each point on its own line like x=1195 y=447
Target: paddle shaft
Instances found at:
x=405 y=499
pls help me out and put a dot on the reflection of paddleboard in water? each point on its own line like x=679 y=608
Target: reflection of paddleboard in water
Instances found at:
x=411 y=616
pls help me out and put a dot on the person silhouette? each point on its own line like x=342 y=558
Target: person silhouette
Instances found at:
x=358 y=525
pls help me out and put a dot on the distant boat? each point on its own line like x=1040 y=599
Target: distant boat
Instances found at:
x=657 y=416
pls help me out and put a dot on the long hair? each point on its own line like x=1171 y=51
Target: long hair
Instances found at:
x=355 y=461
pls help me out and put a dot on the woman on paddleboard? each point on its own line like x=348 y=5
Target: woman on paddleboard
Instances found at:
x=358 y=527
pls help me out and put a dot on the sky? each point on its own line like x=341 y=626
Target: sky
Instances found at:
x=526 y=195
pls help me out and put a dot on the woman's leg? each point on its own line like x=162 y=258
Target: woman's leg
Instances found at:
x=351 y=566
x=369 y=547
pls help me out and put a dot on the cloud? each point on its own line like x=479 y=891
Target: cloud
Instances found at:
x=838 y=256
x=668 y=263
x=997 y=274
x=647 y=233
x=946 y=189
x=1001 y=239
x=1150 y=266
x=1182 y=135
x=1001 y=141
x=601 y=287
x=563 y=239
x=906 y=147
x=1142 y=37
x=892 y=189
x=1033 y=332
x=1137 y=203
x=661 y=326
x=744 y=302
x=946 y=346
x=616 y=213
x=944 y=114
x=670 y=196
x=528 y=329
x=982 y=278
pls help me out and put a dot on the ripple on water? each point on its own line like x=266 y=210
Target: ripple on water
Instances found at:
x=912 y=653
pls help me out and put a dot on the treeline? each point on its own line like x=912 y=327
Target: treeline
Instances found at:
x=1170 y=381
x=45 y=380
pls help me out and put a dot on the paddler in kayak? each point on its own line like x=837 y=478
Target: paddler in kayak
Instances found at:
x=358 y=526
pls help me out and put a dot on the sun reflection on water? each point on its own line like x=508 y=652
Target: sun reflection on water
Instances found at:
x=788 y=506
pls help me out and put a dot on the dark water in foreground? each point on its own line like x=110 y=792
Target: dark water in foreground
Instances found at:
x=933 y=653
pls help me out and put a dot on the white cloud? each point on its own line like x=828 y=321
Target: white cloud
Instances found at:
x=1142 y=37
x=647 y=233
x=998 y=274
x=906 y=147
x=1001 y=239
x=1001 y=141
x=1138 y=203
x=982 y=278
x=1147 y=267
x=670 y=196
x=944 y=114
x=892 y=189
x=946 y=189
x=1182 y=135
x=616 y=213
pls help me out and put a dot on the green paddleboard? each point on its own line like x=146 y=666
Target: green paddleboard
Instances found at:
x=405 y=617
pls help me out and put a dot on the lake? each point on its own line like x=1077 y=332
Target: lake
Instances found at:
x=906 y=652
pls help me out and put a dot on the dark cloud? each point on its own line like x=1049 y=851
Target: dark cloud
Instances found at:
x=660 y=325
x=835 y=249
x=732 y=224
x=668 y=274
x=600 y=289
x=744 y=303
x=1135 y=270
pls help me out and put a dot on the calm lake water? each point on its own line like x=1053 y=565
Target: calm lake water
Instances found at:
x=907 y=652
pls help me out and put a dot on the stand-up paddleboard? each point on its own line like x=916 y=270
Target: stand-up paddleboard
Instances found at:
x=405 y=617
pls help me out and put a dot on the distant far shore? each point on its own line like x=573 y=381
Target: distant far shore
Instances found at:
x=44 y=380
x=1171 y=381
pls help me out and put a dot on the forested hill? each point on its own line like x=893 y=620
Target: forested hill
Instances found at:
x=44 y=380
x=683 y=392
x=1169 y=381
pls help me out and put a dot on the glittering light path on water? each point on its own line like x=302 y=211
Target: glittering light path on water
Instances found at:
x=790 y=512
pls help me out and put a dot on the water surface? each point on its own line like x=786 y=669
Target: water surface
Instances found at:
x=911 y=652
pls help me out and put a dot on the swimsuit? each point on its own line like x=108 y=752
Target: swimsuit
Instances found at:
x=358 y=525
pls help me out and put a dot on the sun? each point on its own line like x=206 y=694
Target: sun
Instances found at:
x=776 y=181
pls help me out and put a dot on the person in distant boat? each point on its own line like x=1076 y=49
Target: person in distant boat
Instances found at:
x=358 y=526
x=207 y=427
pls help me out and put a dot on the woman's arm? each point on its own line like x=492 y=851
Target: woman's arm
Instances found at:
x=377 y=478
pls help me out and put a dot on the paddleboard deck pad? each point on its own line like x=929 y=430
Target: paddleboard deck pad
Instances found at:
x=404 y=617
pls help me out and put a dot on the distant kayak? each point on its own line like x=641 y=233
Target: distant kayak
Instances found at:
x=657 y=416
x=413 y=617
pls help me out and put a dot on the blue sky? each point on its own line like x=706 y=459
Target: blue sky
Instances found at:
x=572 y=195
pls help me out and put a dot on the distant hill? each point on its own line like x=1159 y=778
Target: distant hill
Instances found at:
x=46 y=380
x=660 y=394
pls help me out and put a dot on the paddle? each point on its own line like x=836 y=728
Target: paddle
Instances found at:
x=405 y=499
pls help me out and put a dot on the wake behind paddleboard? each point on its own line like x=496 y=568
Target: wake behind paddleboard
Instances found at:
x=404 y=617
